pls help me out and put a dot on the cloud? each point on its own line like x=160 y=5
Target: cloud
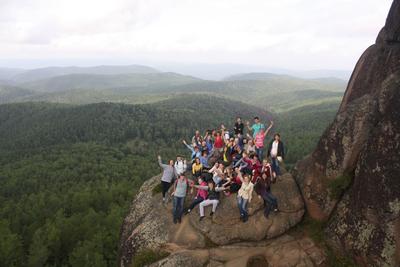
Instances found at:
x=302 y=33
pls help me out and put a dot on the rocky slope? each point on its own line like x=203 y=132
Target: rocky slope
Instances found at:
x=352 y=178
x=222 y=240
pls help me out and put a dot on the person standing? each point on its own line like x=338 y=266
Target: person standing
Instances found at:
x=244 y=195
x=259 y=141
x=256 y=127
x=238 y=127
x=276 y=152
x=181 y=187
x=180 y=165
x=169 y=174
x=263 y=190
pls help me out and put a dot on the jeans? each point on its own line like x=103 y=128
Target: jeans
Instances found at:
x=242 y=204
x=270 y=203
x=177 y=208
x=207 y=202
x=165 y=186
x=195 y=202
x=260 y=153
x=275 y=166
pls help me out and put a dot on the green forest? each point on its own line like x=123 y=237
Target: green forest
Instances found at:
x=69 y=172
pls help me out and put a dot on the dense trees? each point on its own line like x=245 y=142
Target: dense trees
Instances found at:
x=68 y=173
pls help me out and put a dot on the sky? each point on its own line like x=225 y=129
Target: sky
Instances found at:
x=292 y=34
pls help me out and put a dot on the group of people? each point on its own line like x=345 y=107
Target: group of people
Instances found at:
x=225 y=162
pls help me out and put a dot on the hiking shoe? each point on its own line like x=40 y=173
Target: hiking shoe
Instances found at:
x=188 y=211
x=211 y=213
x=175 y=221
x=201 y=218
x=276 y=210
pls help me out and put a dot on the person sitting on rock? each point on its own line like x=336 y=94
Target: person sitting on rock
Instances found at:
x=200 y=196
x=263 y=190
x=204 y=160
x=169 y=174
x=244 y=164
x=250 y=147
x=197 y=168
x=181 y=186
x=218 y=172
x=180 y=165
x=244 y=195
x=212 y=197
x=276 y=152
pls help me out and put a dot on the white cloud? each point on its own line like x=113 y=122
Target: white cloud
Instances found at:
x=285 y=33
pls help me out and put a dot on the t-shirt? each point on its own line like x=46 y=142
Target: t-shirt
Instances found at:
x=219 y=143
x=181 y=187
x=259 y=139
x=257 y=127
x=274 y=149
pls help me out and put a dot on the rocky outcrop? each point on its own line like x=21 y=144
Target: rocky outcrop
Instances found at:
x=222 y=239
x=362 y=145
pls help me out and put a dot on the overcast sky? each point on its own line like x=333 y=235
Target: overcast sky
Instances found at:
x=294 y=34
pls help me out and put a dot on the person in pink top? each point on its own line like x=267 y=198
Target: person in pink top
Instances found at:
x=259 y=141
x=200 y=196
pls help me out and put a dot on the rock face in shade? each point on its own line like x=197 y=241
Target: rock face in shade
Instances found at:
x=222 y=239
x=363 y=143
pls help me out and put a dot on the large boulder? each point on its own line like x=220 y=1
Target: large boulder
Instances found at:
x=352 y=178
x=149 y=226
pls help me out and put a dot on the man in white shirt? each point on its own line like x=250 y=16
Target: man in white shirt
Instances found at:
x=276 y=152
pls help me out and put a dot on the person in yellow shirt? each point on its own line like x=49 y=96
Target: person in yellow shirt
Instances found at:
x=197 y=168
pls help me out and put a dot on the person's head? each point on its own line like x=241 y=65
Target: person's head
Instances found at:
x=203 y=143
x=197 y=160
x=171 y=162
x=239 y=120
x=277 y=137
x=261 y=131
x=211 y=185
x=196 y=148
x=218 y=133
x=255 y=158
x=265 y=161
x=245 y=155
x=204 y=153
x=178 y=158
x=256 y=119
x=251 y=142
x=197 y=133
x=244 y=141
x=221 y=165
x=182 y=177
x=231 y=140
x=246 y=178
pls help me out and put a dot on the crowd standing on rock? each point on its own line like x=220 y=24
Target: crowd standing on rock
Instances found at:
x=225 y=162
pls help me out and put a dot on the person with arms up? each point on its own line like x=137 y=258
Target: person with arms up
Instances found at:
x=168 y=175
x=259 y=141
x=256 y=127
x=181 y=187
x=196 y=153
x=276 y=152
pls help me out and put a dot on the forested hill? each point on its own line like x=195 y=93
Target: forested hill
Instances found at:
x=68 y=173
x=38 y=125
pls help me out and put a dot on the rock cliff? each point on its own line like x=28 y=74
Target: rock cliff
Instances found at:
x=222 y=240
x=352 y=178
